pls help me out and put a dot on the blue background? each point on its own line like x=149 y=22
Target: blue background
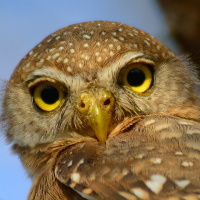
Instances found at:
x=25 y=23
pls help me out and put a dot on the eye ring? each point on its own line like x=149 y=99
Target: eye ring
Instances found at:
x=47 y=96
x=137 y=77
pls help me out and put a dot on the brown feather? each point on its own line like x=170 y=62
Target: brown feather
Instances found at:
x=158 y=155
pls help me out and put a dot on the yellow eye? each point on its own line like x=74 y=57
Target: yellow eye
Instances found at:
x=137 y=77
x=47 y=96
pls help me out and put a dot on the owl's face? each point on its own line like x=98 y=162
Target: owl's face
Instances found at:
x=85 y=79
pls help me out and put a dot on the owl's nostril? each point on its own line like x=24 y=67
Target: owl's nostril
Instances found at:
x=106 y=102
x=82 y=105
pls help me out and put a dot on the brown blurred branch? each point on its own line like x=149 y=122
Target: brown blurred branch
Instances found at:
x=183 y=17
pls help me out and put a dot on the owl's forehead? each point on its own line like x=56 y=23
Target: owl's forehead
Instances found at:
x=87 y=47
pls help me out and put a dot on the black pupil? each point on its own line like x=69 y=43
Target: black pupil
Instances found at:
x=135 y=77
x=49 y=95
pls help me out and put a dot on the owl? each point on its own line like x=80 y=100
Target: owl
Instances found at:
x=102 y=110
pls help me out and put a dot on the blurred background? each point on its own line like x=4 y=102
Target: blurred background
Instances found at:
x=24 y=23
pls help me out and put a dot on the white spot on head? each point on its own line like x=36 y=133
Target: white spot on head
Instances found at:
x=130 y=34
x=66 y=60
x=98 y=43
x=71 y=44
x=112 y=53
x=35 y=54
x=140 y=193
x=59 y=59
x=86 y=36
x=49 y=40
x=80 y=65
x=135 y=46
x=118 y=47
x=121 y=38
x=27 y=65
x=30 y=53
x=50 y=50
x=156 y=160
x=120 y=29
x=61 y=48
x=86 y=45
x=39 y=45
x=187 y=164
x=178 y=153
x=62 y=42
x=140 y=156
x=115 y=40
x=58 y=37
x=49 y=57
x=147 y=43
x=72 y=50
x=158 y=47
x=53 y=34
x=56 y=55
x=135 y=32
x=99 y=59
x=69 y=69
x=103 y=33
x=85 y=56
x=111 y=46
x=153 y=42
x=114 y=33
x=182 y=183
x=97 y=53
x=41 y=61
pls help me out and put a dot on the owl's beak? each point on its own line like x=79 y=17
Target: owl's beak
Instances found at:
x=98 y=110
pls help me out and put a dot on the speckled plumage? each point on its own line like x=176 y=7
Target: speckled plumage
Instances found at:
x=152 y=149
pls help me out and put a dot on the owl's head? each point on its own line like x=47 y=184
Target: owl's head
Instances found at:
x=85 y=79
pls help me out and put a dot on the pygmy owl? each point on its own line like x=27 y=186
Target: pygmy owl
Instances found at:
x=102 y=110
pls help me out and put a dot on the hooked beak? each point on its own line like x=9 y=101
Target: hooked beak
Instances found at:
x=98 y=111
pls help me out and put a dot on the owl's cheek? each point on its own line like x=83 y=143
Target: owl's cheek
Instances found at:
x=30 y=126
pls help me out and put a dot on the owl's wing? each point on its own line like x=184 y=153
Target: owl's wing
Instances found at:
x=155 y=157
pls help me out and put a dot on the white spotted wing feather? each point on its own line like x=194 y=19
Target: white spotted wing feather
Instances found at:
x=156 y=157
